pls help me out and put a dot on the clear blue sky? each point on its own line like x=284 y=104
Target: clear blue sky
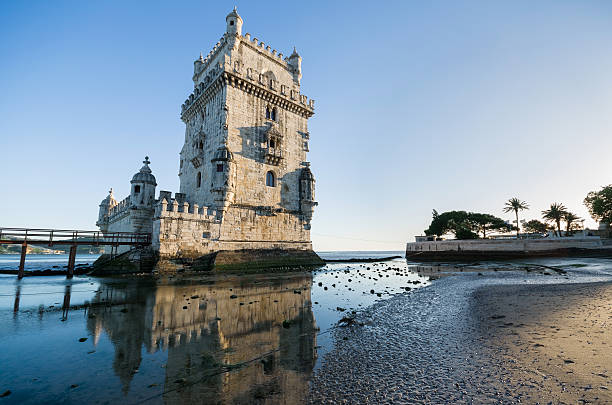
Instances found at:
x=419 y=105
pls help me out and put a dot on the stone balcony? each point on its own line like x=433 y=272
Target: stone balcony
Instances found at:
x=273 y=156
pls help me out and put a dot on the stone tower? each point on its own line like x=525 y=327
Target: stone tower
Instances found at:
x=246 y=134
x=245 y=181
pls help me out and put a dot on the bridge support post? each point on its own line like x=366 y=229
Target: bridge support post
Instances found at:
x=24 y=250
x=71 y=260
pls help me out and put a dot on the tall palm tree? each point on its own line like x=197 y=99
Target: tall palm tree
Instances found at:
x=555 y=214
x=569 y=219
x=516 y=205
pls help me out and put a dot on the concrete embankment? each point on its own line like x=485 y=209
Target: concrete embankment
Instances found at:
x=492 y=249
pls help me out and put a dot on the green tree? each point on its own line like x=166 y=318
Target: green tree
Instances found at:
x=446 y=222
x=535 y=226
x=487 y=222
x=555 y=214
x=599 y=204
x=570 y=219
x=516 y=205
x=465 y=225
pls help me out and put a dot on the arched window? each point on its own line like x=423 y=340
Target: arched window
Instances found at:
x=201 y=145
x=270 y=179
x=273 y=114
x=136 y=189
x=199 y=179
x=268 y=113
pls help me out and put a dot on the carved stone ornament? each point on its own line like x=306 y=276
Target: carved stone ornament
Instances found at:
x=196 y=162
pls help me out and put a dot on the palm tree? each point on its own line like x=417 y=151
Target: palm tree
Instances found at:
x=516 y=205
x=555 y=214
x=570 y=218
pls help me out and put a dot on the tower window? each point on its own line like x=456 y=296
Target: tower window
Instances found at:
x=201 y=145
x=136 y=189
x=272 y=143
x=199 y=180
x=268 y=113
x=232 y=22
x=273 y=114
x=219 y=167
x=270 y=179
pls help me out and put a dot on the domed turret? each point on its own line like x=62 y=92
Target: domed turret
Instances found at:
x=234 y=23
x=223 y=178
x=105 y=207
x=295 y=62
x=143 y=186
x=307 y=195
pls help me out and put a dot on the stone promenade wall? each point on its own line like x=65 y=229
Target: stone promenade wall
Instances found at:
x=505 y=245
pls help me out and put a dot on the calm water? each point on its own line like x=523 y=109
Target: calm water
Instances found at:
x=223 y=339
x=43 y=262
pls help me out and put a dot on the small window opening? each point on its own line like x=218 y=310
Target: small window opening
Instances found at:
x=272 y=143
x=219 y=167
x=181 y=163
x=270 y=179
x=201 y=145
x=232 y=22
x=273 y=114
x=136 y=189
x=268 y=114
x=199 y=179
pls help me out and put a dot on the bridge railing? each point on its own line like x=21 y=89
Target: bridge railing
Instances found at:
x=52 y=237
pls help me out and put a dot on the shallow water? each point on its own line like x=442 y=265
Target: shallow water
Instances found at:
x=227 y=339
x=43 y=262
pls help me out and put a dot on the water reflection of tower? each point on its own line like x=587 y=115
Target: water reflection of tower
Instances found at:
x=120 y=312
x=203 y=326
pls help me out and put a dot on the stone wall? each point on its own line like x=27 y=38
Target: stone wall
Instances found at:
x=191 y=231
x=513 y=245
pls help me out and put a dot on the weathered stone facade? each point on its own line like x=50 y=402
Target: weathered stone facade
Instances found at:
x=245 y=182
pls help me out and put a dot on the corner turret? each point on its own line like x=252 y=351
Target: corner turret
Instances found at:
x=223 y=179
x=105 y=207
x=307 y=194
x=295 y=63
x=143 y=184
x=234 y=23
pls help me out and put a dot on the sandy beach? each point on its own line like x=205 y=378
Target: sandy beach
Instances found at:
x=479 y=337
x=554 y=339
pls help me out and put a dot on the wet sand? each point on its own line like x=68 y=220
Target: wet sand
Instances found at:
x=555 y=339
x=488 y=337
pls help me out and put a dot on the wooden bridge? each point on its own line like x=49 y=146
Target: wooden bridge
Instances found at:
x=72 y=238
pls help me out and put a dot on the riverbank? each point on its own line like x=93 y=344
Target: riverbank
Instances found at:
x=455 y=341
x=554 y=339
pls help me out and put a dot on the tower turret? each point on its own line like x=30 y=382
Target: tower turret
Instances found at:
x=105 y=207
x=143 y=184
x=223 y=178
x=295 y=62
x=307 y=194
x=234 y=23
